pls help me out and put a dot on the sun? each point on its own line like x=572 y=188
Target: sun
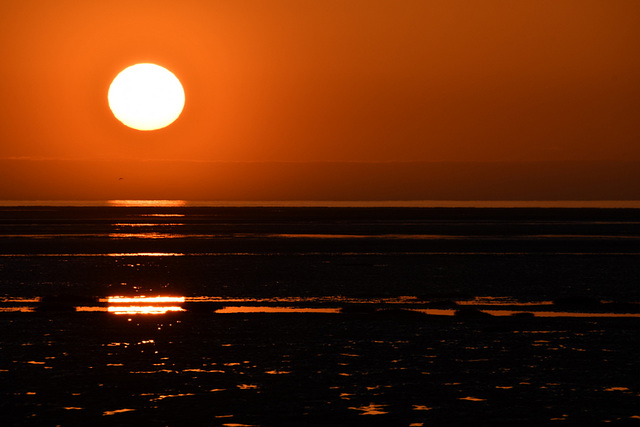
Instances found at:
x=146 y=97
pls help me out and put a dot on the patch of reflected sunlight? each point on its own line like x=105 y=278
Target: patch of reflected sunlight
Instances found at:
x=147 y=309
x=617 y=389
x=154 y=235
x=146 y=203
x=167 y=396
x=438 y=311
x=373 y=236
x=17 y=304
x=251 y=309
x=91 y=308
x=501 y=301
x=143 y=304
x=16 y=309
x=19 y=300
x=287 y=300
x=117 y=411
x=371 y=409
x=472 y=399
x=145 y=224
x=128 y=254
x=143 y=299
x=248 y=386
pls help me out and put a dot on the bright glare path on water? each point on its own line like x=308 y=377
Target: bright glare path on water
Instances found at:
x=147 y=203
x=143 y=304
x=143 y=300
x=129 y=254
x=145 y=309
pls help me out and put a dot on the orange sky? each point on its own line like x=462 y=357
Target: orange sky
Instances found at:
x=338 y=81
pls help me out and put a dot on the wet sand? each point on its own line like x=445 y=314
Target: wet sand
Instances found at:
x=389 y=368
x=316 y=369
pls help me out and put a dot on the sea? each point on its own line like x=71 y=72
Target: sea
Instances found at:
x=169 y=312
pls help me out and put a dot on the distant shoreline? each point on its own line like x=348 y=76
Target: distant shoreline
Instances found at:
x=601 y=204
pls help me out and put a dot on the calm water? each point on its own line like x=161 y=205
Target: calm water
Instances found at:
x=260 y=252
x=317 y=367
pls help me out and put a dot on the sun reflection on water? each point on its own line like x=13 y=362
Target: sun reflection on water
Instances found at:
x=143 y=309
x=117 y=411
x=143 y=299
x=371 y=409
x=144 y=304
x=146 y=203
x=132 y=254
x=152 y=235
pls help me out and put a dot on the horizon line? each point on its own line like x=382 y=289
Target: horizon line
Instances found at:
x=599 y=204
x=111 y=159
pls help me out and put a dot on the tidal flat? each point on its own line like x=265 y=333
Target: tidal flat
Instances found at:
x=360 y=366
x=316 y=369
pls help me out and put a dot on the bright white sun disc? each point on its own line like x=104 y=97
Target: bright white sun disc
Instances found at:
x=146 y=97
